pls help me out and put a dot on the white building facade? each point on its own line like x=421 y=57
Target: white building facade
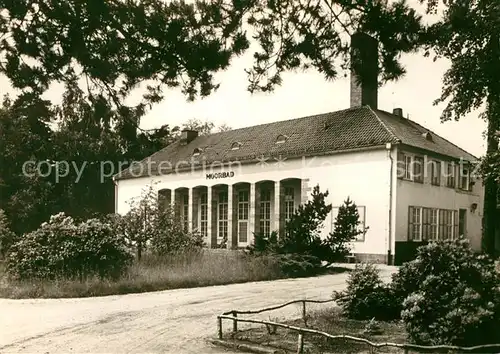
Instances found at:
x=410 y=185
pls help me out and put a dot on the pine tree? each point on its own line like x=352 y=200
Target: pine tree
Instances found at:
x=346 y=229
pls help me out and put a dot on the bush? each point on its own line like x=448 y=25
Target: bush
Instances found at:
x=453 y=295
x=296 y=265
x=62 y=249
x=7 y=237
x=150 y=224
x=366 y=296
x=301 y=249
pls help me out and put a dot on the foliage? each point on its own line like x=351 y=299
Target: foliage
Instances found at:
x=7 y=237
x=346 y=229
x=467 y=34
x=302 y=231
x=300 y=249
x=154 y=273
x=61 y=248
x=453 y=295
x=148 y=223
x=366 y=296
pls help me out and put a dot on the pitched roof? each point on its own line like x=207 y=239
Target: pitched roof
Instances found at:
x=349 y=129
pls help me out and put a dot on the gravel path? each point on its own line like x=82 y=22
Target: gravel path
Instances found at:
x=173 y=321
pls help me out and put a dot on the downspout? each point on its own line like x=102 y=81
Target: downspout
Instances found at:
x=388 y=147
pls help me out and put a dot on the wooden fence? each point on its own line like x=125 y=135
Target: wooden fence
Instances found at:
x=301 y=331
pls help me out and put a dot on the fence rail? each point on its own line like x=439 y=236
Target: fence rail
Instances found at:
x=233 y=316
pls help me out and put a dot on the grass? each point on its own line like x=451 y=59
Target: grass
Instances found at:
x=205 y=268
x=330 y=321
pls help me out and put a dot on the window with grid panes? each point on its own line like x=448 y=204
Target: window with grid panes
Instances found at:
x=243 y=205
x=203 y=214
x=436 y=173
x=265 y=211
x=222 y=215
x=418 y=169
x=289 y=203
x=415 y=223
x=450 y=180
x=185 y=211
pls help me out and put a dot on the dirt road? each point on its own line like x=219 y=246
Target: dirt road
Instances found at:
x=174 y=321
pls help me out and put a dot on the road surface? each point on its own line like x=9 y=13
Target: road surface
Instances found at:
x=172 y=321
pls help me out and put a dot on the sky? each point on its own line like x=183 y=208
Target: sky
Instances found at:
x=308 y=93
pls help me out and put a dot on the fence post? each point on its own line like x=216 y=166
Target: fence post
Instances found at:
x=407 y=351
x=219 y=326
x=300 y=343
x=304 y=312
x=235 y=322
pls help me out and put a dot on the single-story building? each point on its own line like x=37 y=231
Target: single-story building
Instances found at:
x=410 y=185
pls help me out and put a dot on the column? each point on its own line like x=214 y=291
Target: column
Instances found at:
x=230 y=241
x=190 y=209
x=304 y=190
x=251 y=214
x=277 y=207
x=172 y=199
x=209 y=217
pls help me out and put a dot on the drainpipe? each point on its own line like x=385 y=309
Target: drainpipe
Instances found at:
x=388 y=147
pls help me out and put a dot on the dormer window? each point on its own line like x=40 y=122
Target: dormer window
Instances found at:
x=196 y=152
x=281 y=139
x=427 y=136
x=235 y=146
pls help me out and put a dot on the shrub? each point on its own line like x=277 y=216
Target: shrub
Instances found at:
x=150 y=224
x=7 y=237
x=453 y=295
x=296 y=265
x=60 y=248
x=366 y=296
x=302 y=236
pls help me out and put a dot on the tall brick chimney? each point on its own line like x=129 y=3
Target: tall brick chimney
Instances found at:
x=364 y=70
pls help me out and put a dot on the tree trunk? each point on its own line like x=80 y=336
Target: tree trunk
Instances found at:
x=490 y=183
x=490 y=192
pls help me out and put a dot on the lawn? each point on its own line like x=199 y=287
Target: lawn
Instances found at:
x=329 y=321
x=205 y=268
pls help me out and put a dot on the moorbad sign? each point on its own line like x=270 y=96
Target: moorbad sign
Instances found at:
x=218 y=175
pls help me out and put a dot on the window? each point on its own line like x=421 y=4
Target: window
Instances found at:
x=243 y=205
x=196 y=152
x=465 y=179
x=222 y=216
x=415 y=224
x=436 y=173
x=462 y=215
x=361 y=226
x=281 y=139
x=235 y=146
x=203 y=214
x=185 y=211
x=243 y=208
x=446 y=224
x=265 y=212
x=418 y=169
x=362 y=223
x=407 y=167
x=431 y=224
x=289 y=203
x=450 y=181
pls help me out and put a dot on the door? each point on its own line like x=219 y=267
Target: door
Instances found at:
x=243 y=208
x=462 y=222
